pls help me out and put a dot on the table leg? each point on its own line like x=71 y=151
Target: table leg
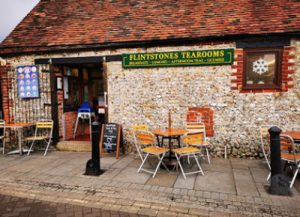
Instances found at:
x=158 y=142
x=170 y=148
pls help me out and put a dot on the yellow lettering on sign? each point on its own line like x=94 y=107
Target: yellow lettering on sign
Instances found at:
x=216 y=53
x=221 y=53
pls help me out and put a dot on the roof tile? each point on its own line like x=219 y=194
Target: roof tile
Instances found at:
x=95 y=22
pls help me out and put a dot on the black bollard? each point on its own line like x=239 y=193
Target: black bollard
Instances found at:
x=275 y=150
x=93 y=165
x=279 y=183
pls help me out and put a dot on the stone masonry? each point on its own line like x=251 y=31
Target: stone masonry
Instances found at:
x=137 y=96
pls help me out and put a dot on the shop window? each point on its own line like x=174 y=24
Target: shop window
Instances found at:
x=262 y=69
x=71 y=88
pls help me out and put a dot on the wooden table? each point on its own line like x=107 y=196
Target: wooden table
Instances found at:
x=169 y=134
x=19 y=127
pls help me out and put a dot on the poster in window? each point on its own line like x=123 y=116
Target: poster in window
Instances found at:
x=28 y=81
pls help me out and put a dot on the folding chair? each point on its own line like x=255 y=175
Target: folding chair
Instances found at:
x=145 y=153
x=201 y=142
x=265 y=145
x=43 y=132
x=289 y=154
x=143 y=141
x=193 y=117
x=2 y=136
x=189 y=139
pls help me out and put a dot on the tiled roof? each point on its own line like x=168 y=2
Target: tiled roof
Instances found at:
x=69 y=23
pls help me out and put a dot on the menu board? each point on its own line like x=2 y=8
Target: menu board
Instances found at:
x=28 y=81
x=110 y=138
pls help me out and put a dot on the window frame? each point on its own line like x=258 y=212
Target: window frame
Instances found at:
x=278 y=76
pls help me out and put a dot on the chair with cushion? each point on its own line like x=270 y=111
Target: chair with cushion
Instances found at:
x=265 y=145
x=43 y=133
x=289 y=155
x=189 y=139
x=143 y=137
x=2 y=135
x=201 y=143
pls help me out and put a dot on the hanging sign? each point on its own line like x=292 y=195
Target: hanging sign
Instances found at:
x=179 y=58
x=28 y=81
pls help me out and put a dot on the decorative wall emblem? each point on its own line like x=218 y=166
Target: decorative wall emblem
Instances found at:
x=260 y=66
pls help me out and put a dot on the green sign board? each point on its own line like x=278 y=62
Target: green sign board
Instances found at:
x=179 y=58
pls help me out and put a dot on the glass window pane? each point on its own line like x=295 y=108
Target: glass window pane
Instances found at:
x=261 y=68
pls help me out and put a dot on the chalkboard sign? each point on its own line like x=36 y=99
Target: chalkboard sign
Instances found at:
x=110 y=138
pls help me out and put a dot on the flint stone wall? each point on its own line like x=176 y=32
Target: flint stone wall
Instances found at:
x=139 y=96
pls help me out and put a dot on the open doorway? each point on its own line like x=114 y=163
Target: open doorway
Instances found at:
x=78 y=85
x=1 y=108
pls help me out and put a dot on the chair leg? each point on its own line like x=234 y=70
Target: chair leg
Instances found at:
x=180 y=166
x=295 y=175
x=48 y=143
x=198 y=164
x=143 y=162
x=207 y=154
x=30 y=148
x=158 y=165
x=76 y=125
x=3 y=143
x=269 y=176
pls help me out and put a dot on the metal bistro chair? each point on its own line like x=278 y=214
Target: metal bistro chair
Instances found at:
x=193 y=117
x=189 y=139
x=265 y=145
x=202 y=143
x=143 y=142
x=289 y=155
x=43 y=132
x=153 y=150
x=2 y=136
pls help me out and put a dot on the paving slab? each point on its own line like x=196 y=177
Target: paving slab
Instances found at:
x=259 y=175
x=216 y=182
x=217 y=164
x=137 y=163
x=187 y=183
x=123 y=162
x=244 y=182
x=246 y=163
x=129 y=174
x=163 y=180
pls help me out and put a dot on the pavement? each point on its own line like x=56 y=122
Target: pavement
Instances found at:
x=230 y=187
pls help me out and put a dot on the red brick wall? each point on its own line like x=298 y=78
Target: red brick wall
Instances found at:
x=69 y=119
x=5 y=87
x=207 y=118
x=287 y=79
